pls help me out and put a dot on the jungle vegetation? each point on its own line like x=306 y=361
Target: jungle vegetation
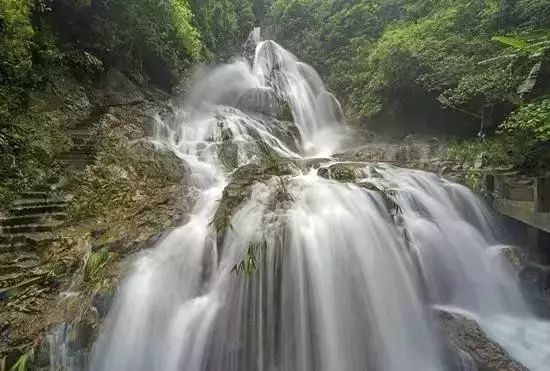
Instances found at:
x=482 y=64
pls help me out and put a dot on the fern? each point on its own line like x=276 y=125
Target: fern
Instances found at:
x=24 y=362
x=514 y=42
x=95 y=263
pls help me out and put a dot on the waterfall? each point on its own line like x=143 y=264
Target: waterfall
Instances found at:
x=335 y=275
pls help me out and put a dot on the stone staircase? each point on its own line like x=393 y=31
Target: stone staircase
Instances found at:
x=25 y=229
x=83 y=150
x=28 y=226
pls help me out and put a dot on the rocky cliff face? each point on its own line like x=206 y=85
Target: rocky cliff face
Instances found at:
x=63 y=246
x=467 y=347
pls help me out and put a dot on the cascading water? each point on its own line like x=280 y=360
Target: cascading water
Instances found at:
x=340 y=276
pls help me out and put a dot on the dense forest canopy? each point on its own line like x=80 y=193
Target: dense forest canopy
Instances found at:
x=482 y=64
x=376 y=54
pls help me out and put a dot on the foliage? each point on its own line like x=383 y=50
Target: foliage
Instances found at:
x=15 y=53
x=43 y=42
x=122 y=175
x=249 y=263
x=25 y=362
x=377 y=54
x=225 y=24
x=480 y=60
x=95 y=263
x=531 y=120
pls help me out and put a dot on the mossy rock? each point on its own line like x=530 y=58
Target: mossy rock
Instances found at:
x=273 y=163
x=236 y=192
x=285 y=112
x=342 y=172
x=388 y=196
x=228 y=154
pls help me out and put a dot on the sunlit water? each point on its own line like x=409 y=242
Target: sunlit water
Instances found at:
x=341 y=282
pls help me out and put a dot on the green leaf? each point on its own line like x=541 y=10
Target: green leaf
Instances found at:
x=511 y=41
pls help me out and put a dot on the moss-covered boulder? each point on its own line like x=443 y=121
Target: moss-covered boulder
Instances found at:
x=463 y=339
x=260 y=100
x=343 y=171
x=236 y=192
x=228 y=150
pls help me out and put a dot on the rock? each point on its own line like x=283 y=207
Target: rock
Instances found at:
x=342 y=172
x=228 y=154
x=515 y=258
x=260 y=100
x=463 y=340
x=249 y=48
x=286 y=131
x=119 y=90
x=285 y=112
x=102 y=301
x=236 y=192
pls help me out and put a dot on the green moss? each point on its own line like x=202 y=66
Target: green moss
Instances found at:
x=285 y=113
x=272 y=162
x=236 y=192
x=342 y=172
x=25 y=362
x=124 y=173
x=228 y=154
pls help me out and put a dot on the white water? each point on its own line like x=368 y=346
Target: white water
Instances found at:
x=339 y=284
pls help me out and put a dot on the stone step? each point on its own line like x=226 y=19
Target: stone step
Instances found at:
x=37 y=209
x=83 y=148
x=18 y=288
x=43 y=188
x=31 y=219
x=83 y=138
x=77 y=163
x=53 y=180
x=12 y=262
x=35 y=195
x=12 y=240
x=39 y=202
x=19 y=246
x=24 y=241
x=30 y=228
x=78 y=132
x=74 y=156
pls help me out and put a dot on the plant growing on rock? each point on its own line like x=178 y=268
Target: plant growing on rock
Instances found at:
x=24 y=362
x=249 y=264
x=531 y=120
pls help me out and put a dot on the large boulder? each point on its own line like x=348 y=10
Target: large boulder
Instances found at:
x=467 y=347
x=261 y=100
x=342 y=171
x=119 y=90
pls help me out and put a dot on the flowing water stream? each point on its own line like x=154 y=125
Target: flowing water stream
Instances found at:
x=344 y=276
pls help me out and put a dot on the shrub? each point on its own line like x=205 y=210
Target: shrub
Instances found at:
x=531 y=120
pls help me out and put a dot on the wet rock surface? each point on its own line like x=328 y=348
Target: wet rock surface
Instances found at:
x=465 y=344
x=535 y=284
x=236 y=192
x=262 y=101
x=48 y=240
